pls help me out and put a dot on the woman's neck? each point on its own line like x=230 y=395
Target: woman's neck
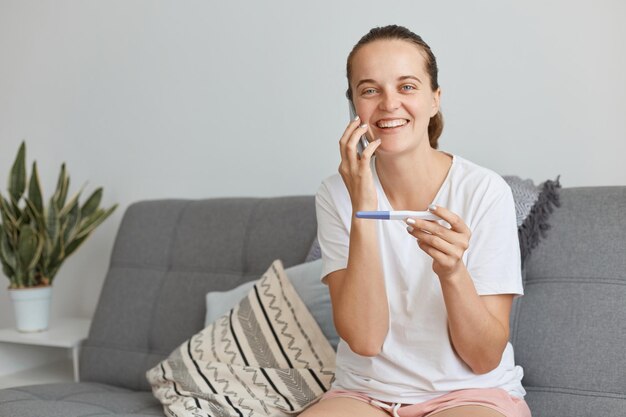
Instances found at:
x=411 y=181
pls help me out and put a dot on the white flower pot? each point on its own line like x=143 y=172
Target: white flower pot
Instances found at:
x=32 y=308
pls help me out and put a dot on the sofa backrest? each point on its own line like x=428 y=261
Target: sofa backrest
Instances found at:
x=167 y=255
x=569 y=329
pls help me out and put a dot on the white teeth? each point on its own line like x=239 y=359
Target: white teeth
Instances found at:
x=391 y=123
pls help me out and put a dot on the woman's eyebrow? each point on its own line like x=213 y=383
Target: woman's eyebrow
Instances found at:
x=409 y=77
x=367 y=80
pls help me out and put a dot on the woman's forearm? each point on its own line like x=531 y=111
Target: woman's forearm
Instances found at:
x=477 y=336
x=359 y=297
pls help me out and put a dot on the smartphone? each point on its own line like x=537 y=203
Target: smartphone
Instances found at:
x=362 y=144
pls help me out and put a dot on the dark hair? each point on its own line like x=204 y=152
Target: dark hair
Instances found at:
x=393 y=32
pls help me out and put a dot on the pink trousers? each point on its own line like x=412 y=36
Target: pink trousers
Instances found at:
x=497 y=399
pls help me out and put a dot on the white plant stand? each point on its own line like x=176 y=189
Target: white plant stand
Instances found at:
x=63 y=333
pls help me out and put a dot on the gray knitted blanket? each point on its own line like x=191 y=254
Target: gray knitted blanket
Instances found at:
x=533 y=206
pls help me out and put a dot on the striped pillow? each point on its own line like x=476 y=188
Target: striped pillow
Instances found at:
x=265 y=357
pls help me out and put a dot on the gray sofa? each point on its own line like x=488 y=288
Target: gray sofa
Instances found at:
x=569 y=330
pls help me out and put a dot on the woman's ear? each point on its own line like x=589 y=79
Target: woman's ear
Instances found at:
x=436 y=102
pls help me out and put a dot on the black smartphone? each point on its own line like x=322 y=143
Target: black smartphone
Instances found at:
x=360 y=147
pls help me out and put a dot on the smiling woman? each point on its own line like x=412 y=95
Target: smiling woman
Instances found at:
x=422 y=308
x=393 y=94
x=405 y=37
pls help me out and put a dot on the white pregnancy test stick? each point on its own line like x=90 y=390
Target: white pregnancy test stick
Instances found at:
x=397 y=215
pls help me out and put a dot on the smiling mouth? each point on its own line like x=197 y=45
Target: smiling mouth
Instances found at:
x=390 y=124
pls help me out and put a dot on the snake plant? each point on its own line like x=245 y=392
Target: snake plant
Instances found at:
x=35 y=239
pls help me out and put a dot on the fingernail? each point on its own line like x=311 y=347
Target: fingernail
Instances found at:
x=410 y=221
x=356 y=118
x=409 y=229
x=363 y=125
x=379 y=140
x=432 y=207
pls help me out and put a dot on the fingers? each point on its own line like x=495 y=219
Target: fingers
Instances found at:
x=436 y=241
x=353 y=142
x=447 y=257
x=351 y=126
x=445 y=245
x=444 y=264
x=354 y=169
x=372 y=144
x=434 y=228
x=369 y=151
x=436 y=254
x=349 y=140
x=456 y=223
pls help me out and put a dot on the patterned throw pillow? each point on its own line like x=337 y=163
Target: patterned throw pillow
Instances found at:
x=265 y=357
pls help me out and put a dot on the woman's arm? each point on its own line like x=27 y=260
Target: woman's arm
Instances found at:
x=478 y=325
x=358 y=295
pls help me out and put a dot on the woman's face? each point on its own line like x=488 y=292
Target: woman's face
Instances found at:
x=391 y=92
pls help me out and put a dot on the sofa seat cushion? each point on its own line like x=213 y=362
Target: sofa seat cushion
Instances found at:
x=77 y=400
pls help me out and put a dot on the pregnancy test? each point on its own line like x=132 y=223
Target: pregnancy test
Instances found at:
x=396 y=215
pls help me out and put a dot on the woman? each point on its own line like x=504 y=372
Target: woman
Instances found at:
x=422 y=307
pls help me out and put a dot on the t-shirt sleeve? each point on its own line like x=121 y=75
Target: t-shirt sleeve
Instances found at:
x=493 y=259
x=332 y=233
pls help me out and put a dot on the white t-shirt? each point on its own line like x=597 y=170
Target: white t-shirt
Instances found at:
x=417 y=361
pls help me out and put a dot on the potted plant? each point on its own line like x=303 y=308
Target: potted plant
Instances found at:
x=35 y=239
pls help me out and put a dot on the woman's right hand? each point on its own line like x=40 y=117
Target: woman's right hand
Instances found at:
x=355 y=170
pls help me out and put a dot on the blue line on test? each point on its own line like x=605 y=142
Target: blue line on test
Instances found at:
x=382 y=215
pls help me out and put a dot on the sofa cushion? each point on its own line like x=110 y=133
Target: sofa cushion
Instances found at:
x=219 y=302
x=265 y=357
x=77 y=400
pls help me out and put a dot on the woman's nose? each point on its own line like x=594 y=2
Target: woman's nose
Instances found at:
x=389 y=102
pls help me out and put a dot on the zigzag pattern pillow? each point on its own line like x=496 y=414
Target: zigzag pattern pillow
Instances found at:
x=265 y=357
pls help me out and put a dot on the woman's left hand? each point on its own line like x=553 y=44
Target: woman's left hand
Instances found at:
x=445 y=246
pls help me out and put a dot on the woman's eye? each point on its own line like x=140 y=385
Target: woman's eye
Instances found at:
x=369 y=91
x=408 y=87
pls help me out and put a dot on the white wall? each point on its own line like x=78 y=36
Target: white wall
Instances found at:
x=196 y=99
